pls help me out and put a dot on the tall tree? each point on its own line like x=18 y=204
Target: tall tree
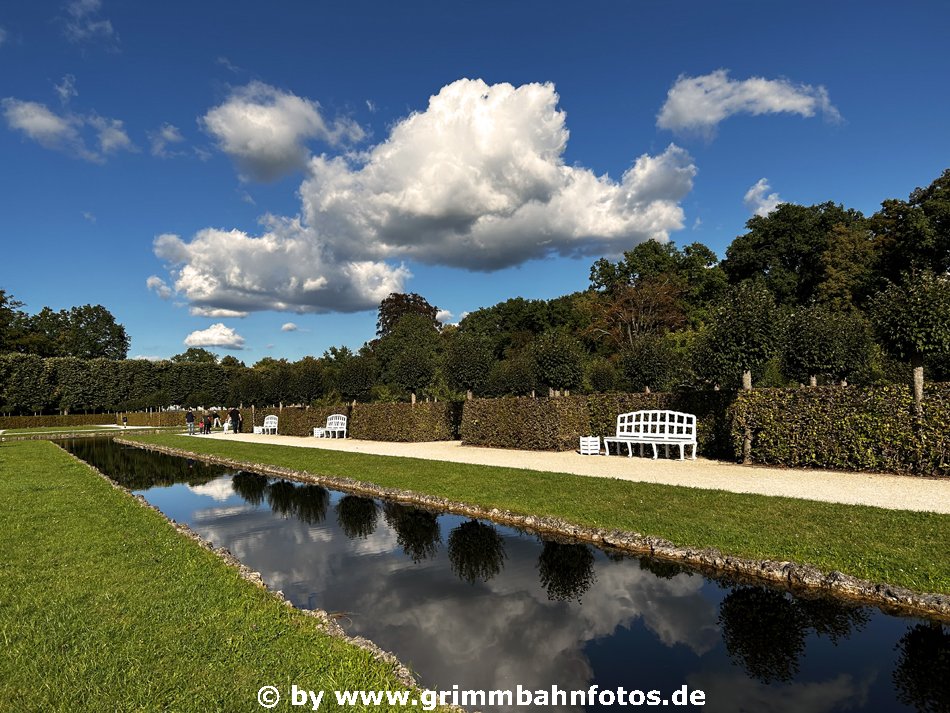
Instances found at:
x=195 y=355
x=786 y=247
x=397 y=305
x=912 y=319
x=9 y=309
x=91 y=332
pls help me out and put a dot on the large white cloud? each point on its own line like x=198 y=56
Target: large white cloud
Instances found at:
x=476 y=181
x=217 y=335
x=700 y=103
x=65 y=132
x=758 y=199
x=265 y=129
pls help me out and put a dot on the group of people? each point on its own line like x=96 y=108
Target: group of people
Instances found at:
x=210 y=419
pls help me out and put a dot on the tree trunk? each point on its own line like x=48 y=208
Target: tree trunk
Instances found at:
x=813 y=380
x=917 y=361
x=468 y=395
x=413 y=398
x=747 y=380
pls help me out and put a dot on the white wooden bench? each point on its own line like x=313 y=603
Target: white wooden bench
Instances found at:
x=270 y=425
x=335 y=428
x=664 y=428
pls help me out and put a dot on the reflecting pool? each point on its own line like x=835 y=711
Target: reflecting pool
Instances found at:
x=482 y=606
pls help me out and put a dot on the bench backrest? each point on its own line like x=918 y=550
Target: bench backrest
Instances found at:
x=672 y=425
x=336 y=422
x=270 y=422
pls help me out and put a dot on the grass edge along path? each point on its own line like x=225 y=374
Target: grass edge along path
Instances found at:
x=895 y=547
x=105 y=606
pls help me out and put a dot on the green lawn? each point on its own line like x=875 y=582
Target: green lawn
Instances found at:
x=893 y=546
x=104 y=606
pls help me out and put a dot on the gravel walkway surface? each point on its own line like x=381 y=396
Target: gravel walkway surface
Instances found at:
x=896 y=492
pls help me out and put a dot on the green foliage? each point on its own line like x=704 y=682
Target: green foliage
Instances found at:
x=786 y=248
x=558 y=359
x=823 y=342
x=406 y=423
x=25 y=385
x=469 y=360
x=408 y=355
x=356 y=376
x=912 y=318
x=602 y=375
x=511 y=377
x=849 y=428
x=398 y=305
x=195 y=355
x=525 y=423
x=743 y=336
x=651 y=362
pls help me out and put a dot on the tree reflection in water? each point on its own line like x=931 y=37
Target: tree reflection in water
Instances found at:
x=476 y=551
x=922 y=674
x=357 y=516
x=566 y=570
x=417 y=531
x=663 y=570
x=764 y=629
x=250 y=486
x=138 y=469
x=307 y=503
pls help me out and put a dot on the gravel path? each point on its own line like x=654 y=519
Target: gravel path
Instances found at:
x=896 y=492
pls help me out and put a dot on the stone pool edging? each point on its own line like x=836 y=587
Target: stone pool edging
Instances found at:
x=796 y=578
x=325 y=621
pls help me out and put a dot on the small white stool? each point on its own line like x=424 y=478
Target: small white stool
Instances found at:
x=259 y=429
x=590 y=445
x=319 y=433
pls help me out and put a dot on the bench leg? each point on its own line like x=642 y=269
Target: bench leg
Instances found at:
x=694 y=451
x=682 y=451
x=654 y=451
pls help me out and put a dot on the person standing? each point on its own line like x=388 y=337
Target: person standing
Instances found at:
x=190 y=421
x=236 y=420
x=217 y=421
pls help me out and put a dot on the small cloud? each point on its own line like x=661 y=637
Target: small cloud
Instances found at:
x=699 y=104
x=697 y=223
x=148 y=357
x=66 y=89
x=444 y=316
x=758 y=199
x=371 y=105
x=288 y=327
x=217 y=335
x=83 y=22
x=158 y=286
x=162 y=137
x=202 y=153
x=226 y=63
x=65 y=132
x=3 y=36
x=269 y=346
x=247 y=198
x=216 y=312
x=89 y=216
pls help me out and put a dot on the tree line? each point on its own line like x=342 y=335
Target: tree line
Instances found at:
x=807 y=294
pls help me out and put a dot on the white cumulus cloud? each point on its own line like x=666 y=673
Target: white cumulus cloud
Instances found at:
x=758 y=199
x=477 y=180
x=158 y=286
x=265 y=129
x=67 y=132
x=217 y=335
x=700 y=103
x=289 y=327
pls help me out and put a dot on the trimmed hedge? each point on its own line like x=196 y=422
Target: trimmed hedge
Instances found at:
x=870 y=429
x=526 y=423
x=557 y=424
x=153 y=418
x=433 y=421
x=73 y=419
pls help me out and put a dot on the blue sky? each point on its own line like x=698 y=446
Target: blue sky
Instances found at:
x=213 y=171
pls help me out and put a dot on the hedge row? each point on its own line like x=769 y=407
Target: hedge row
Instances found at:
x=292 y=421
x=870 y=429
x=77 y=419
x=556 y=424
x=434 y=421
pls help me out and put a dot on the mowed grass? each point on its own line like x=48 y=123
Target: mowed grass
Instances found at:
x=896 y=547
x=104 y=606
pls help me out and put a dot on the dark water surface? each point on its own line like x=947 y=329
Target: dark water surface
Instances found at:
x=483 y=606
